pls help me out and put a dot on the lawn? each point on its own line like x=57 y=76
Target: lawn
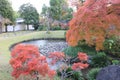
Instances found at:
x=7 y=39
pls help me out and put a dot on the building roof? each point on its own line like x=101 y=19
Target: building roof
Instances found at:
x=20 y=20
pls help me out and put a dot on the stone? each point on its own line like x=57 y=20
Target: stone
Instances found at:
x=111 y=72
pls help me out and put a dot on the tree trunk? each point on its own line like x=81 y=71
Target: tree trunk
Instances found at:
x=27 y=26
x=48 y=25
x=6 y=28
x=13 y=28
x=0 y=27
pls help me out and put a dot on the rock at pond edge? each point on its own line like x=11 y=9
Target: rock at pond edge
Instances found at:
x=111 y=72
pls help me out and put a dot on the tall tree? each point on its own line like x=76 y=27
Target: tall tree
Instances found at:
x=44 y=9
x=46 y=16
x=59 y=9
x=95 y=21
x=30 y=15
x=16 y=15
x=6 y=12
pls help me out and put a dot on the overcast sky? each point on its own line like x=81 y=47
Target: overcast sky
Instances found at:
x=36 y=3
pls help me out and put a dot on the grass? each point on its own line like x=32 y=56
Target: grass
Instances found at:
x=7 y=39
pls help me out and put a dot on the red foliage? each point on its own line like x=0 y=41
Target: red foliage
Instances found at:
x=95 y=21
x=56 y=56
x=26 y=59
x=79 y=66
x=82 y=56
x=51 y=73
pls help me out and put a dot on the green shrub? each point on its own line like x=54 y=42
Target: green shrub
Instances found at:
x=93 y=73
x=76 y=75
x=56 y=28
x=40 y=27
x=112 y=46
x=73 y=51
x=115 y=62
x=99 y=60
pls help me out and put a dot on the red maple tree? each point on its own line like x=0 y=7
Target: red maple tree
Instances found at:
x=95 y=21
x=56 y=56
x=60 y=56
x=26 y=59
x=81 y=65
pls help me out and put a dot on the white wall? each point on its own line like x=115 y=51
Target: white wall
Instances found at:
x=19 y=27
x=31 y=27
x=10 y=28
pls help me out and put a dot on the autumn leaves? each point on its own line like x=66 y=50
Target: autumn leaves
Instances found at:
x=26 y=60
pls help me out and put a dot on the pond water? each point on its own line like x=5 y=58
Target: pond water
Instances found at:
x=37 y=42
x=48 y=46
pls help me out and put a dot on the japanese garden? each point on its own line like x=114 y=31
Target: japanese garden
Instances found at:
x=66 y=40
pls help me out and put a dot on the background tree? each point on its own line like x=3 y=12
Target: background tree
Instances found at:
x=30 y=15
x=6 y=12
x=46 y=16
x=44 y=9
x=59 y=10
x=16 y=15
x=95 y=21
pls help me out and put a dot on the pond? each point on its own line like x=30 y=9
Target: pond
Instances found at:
x=47 y=46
